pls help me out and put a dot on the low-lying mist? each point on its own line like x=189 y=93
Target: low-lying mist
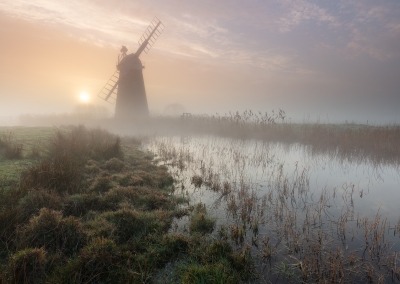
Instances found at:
x=346 y=140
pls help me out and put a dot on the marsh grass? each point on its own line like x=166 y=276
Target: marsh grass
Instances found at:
x=114 y=164
x=37 y=199
x=10 y=147
x=217 y=262
x=346 y=141
x=61 y=173
x=290 y=228
x=109 y=208
x=82 y=143
x=35 y=151
x=26 y=266
x=29 y=137
x=200 y=222
x=92 y=208
x=49 y=230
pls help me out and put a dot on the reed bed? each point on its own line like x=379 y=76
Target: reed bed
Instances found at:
x=346 y=141
x=296 y=232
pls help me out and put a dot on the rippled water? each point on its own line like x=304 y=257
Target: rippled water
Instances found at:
x=290 y=194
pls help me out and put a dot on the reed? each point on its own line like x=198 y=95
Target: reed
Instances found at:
x=289 y=226
x=345 y=141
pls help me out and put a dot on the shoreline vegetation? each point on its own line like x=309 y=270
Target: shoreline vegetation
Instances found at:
x=298 y=232
x=90 y=207
x=351 y=141
x=82 y=205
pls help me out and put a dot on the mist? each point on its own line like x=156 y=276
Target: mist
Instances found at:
x=199 y=141
x=318 y=62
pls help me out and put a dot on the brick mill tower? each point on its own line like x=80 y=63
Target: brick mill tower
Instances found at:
x=126 y=88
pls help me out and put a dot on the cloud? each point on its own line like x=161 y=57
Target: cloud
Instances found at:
x=298 y=11
x=256 y=33
x=373 y=28
x=80 y=18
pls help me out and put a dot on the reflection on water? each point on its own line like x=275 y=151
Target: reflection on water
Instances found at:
x=295 y=208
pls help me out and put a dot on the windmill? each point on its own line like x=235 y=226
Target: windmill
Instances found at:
x=126 y=88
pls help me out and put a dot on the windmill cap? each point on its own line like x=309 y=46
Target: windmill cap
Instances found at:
x=129 y=62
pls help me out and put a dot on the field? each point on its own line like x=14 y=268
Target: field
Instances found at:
x=28 y=139
x=241 y=198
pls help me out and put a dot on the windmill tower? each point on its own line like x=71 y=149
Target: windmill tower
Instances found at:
x=126 y=85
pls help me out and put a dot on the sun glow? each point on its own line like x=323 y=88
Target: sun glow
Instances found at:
x=84 y=97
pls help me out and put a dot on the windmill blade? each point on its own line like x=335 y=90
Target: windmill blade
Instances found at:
x=109 y=91
x=149 y=37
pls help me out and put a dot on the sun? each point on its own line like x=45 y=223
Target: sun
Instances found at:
x=84 y=97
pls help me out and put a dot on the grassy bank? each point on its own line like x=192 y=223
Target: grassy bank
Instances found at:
x=19 y=147
x=82 y=205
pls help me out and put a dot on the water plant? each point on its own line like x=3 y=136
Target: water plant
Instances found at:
x=200 y=222
x=288 y=222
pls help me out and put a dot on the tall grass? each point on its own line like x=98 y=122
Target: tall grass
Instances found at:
x=67 y=153
x=82 y=143
x=97 y=210
x=10 y=147
x=297 y=235
x=348 y=141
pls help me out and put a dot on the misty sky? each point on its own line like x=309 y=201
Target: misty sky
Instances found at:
x=336 y=60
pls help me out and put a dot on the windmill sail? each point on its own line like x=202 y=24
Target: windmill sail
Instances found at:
x=110 y=89
x=149 y=37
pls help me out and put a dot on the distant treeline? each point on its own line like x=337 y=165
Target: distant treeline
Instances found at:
x=83 y=114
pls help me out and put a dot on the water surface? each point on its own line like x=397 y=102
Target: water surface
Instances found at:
x=284 y=200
